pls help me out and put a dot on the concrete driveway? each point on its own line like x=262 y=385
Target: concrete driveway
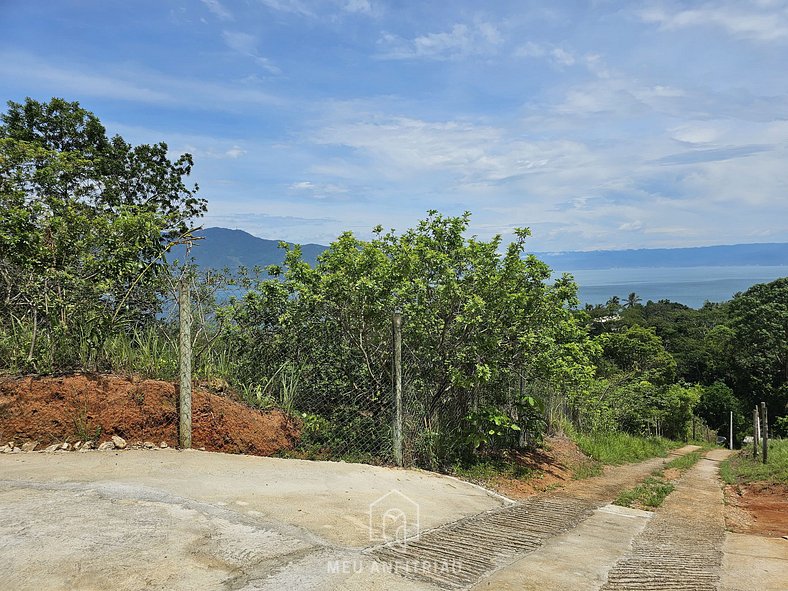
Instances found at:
x=167 y=519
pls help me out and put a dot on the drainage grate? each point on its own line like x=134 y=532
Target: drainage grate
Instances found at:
x=457 y=555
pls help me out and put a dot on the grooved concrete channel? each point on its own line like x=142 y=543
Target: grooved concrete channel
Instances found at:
x=459 y=554
x=190 y=520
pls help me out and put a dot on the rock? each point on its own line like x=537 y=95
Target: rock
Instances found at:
x=77 y=445
x=88 y=445
x=15 y=450
x=149 y=445
x=52 y=448
x=119 y=442
x=106 y=446
x=11 y=444
x=30 y=446
x=6 y=450
x=202 y=449
x=66 y=446
x=163 y=445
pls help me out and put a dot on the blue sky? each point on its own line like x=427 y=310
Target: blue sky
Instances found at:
x=597 y=124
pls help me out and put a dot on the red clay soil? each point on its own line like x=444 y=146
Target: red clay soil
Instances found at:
x=81 y=407
x=553 y=466
x=758 y=508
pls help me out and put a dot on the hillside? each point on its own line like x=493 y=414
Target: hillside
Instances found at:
x=224 y=248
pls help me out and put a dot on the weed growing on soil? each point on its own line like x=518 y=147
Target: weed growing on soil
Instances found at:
x=686 y=461
x=650 y=493
x=488 y=469
x=743 y=468
x=622 y=448
x=587 y=469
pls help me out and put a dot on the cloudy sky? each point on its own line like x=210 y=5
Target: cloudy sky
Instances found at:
x=597 y=124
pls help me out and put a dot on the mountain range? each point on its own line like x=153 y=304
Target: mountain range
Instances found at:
x=224 y=248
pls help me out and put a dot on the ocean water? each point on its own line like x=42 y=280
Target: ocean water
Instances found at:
x=691 y=286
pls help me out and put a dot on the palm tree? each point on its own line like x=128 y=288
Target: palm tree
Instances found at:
x=633 y=300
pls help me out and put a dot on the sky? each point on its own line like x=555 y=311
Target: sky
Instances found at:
x=597 y=124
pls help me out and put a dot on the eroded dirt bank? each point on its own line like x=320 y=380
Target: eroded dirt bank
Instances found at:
x=95 y=407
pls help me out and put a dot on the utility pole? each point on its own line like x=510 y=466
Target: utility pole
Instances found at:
x=730 y=441
x=185 y=363
x=396 y=331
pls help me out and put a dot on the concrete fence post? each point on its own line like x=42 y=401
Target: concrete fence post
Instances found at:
x=765 y=432
x=185 y=363
x=396 y=331
x=755 y=432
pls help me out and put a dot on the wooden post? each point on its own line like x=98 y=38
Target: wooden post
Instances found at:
x=396 y=330
x=755 y=432
x=185 y=363
x=765 y=432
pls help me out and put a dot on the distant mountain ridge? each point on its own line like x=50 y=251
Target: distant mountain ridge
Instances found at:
x=735 y=255
x=224 y=248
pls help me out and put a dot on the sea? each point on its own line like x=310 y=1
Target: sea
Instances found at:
x=691 y=286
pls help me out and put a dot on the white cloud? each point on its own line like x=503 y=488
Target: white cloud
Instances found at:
x=758 y=21
x=291 y=6
x=461 y=41
x=246 y=45
x=357 y=6
x=119 y=82
x=218 y=9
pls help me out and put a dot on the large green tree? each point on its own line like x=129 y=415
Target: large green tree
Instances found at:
x=759 y=321
x=85 y=220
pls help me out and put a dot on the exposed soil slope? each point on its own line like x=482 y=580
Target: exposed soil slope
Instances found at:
x=759 y=508
x=96 y=407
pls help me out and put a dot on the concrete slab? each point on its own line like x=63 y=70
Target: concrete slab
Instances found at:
x=189 y=520
x=329 y=499
x=754 y=562
x=577 y=560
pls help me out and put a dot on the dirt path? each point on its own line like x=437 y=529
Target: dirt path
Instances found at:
x=681 y=547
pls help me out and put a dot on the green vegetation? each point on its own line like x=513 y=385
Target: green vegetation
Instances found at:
x=496 y=353
x=621 y=448
x=686 y=461
x=743 y=468
x=650 y=493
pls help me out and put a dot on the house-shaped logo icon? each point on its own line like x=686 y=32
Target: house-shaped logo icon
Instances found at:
x=393 y=519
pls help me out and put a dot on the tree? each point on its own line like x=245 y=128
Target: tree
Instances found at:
x=86 y=220
x=633 y=300
x=484 y=334
x=759 y=320
x=637 y=353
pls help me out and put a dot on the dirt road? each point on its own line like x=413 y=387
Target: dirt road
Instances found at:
x=184 y=520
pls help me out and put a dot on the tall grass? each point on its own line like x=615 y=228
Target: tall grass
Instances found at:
x=621 y=448
x=743 y=468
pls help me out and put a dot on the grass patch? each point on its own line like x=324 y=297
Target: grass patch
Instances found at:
x=686 y=461
x=488 y=469
x=622 y=448
x=743 y=468
x=587 y=469
x=650 y=493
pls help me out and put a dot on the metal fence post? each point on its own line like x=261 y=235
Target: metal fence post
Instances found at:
x=185 y=363
x=396 y=329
